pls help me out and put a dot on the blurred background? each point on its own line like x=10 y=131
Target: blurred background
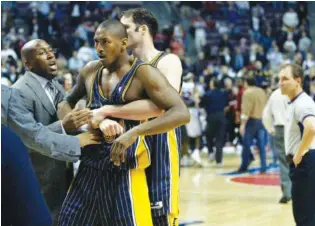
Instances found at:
x=223 y=40
x=228 y=41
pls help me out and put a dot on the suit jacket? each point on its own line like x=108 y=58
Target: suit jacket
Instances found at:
x=35 y=135
x=51 y=173
x=22 y=201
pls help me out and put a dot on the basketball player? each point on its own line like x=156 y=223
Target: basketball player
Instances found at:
x=104 y=194
x=163 y=174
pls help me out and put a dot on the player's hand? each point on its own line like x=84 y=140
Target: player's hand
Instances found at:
x=97 y=118
x=120 y=145
x=111 y=128
x=75 y=119
x=90 y=137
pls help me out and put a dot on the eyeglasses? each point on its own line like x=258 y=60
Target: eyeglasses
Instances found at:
x=46 y=51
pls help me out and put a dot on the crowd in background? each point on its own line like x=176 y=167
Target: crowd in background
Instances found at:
x=216 y=41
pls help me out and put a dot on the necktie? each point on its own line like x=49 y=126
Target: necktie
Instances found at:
x=53 y=92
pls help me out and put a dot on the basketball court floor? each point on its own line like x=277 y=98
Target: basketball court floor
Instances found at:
x=215 y=196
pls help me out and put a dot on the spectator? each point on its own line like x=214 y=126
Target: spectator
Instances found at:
x=194 y=130
x=201 y=64
x=8 y=51
x=226 y=58
x=301 y=11
x=76 y=12
x=68 y=82
x=200 y=34
x=224 y=42
x=243 y=45
x=258 y=11
x=242 y=6
x=298 y=59
x=86 y=53
x=253 y=103
x=238 y=60
x=289 y=46
x=210 y=22
x=214 y=103
x=230 y=110
x=13 y=76
x=176 y=45
x=275 y=58
x=308 y=63
x=75 y=64
x=290 y=19
x=178 y=32
x=266 y=40
x=304 y=42
x=261 y=56
x=232 y=14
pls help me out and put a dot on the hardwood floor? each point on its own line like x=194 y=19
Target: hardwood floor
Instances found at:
x=208 y=198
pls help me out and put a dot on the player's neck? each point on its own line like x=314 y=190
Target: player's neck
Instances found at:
x=120 y=64
x=145 y=51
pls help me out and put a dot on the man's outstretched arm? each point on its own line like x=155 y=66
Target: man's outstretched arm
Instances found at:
x=144 y=109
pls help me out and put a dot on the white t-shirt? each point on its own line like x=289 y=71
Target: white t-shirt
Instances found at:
x=301 y=107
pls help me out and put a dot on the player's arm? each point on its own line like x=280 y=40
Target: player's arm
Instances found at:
x=165 y=97
x=75 y=118
x=78 y=92
x=159 y=90
x=171 y=68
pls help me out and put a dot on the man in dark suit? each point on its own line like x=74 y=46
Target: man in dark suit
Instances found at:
x=41 y=97
x=22 y=203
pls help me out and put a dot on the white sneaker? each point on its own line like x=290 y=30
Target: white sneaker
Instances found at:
x=196 y=156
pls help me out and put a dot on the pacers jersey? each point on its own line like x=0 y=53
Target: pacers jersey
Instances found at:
x=98 y=156
x=101 y=193
x=163 y=174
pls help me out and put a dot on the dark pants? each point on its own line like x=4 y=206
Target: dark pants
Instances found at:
x=52 y=176
x=253 y=130
x=303 y=190
x=216 y=130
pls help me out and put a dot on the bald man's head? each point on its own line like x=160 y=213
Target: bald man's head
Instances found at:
x=38 y=57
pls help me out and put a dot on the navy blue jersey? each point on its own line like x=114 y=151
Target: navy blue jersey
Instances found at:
x=104 y=194
x=98 y=156
x=163 y=173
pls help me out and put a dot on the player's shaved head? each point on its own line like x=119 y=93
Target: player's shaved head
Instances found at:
x=114 y=27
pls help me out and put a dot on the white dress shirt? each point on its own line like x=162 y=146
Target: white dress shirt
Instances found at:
x=43 y=82
x=275 y=111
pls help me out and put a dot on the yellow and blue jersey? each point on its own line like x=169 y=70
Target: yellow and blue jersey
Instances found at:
x=163 y=173
x=104 y=194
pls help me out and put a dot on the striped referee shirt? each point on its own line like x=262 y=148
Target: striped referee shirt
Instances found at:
x=301 y=107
